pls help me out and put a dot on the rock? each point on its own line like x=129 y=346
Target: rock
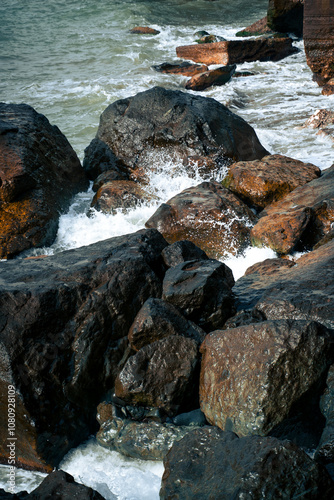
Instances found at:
x=261 y=182
x=61 y=485
x=256 y=29
x=238 y=51
x=328 y=88
x=181 y=68
x=210 y=39
x=243 y=318
x=195 y=418
x=176 y=124
x=142 y=440
x=39 y=174
x=218 y=76
x=209 y=215
x=181 y=251
x=119 y=195
x=210 y=464
x=144 y=30
x=253 y=376
x=270 y=266
x=323 y=120
x=158 y=319
x=105 y=177
x=325 y=450
x=326 y=239
x=162 y=374
x=282 y=295
x=99 y=159
x=286 y=16
x=202 y=292
x=319 y=39
x=301 y=218
x=64 y=321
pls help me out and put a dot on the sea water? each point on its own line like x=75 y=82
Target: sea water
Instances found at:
x=70 y=59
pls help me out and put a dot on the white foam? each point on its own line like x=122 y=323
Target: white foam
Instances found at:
x=250 y=256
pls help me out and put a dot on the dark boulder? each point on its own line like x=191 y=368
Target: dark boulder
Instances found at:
x=238 y=51
x=252 y=376
x=39 y=174
x=202 y=292
x=158 y=319
x=181 y=251
x=300 y=219
x=61 y=485
x=163 y=374
x=210 y=464
x=325 y=450
x=181 y=68
x=306 y=291
x=100 y=159
x=175 y=123
x=286 y=16
x=209 y=215
x=264 y=181
x=64 y=325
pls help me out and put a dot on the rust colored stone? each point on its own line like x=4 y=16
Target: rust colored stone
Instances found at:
x=144 y=30
x=261 y=182
x=256 y=29
x=303 y=217
x=119 y=194
x=184 y=68
x=218 y=76
x=319 y=38
x=238 y=51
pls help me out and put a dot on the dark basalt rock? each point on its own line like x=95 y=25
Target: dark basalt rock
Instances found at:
x=39 y=174
x=100 y=159
x=252 y=376
x=158 y=319
x=64 y=322
x=325 y=450
x=202 y=292
x=175 y=123
x=181 y=251
x=162 y=374
x=61 y=485
x=211 y=464
x=286 y=16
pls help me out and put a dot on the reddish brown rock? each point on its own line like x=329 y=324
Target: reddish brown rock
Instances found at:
x=119 y=194
x=319 y=38
x=158 y=319
x=144 y=30
x=181 y=68
x=209 y=215
x=328 y=88
x=218 y=76
x=303 y=217
x=270 y=266
x=39 y=174
x=252 y=376
x=323 y=121
x=261 y=182
x=256 y=29
x=286 y=16
x=162 y=374
x=238 y=51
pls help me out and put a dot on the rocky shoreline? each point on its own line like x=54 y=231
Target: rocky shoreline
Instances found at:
x=146 y=340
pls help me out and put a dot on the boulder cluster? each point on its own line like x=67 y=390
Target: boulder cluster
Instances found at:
x=146 y=340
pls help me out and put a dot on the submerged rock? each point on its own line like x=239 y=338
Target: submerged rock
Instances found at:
x=201 y=290
x=158 y=319
x=39 y=174
x=162 y=374
x=252 y=376
x=144 y=30
x=172 y=123
x=302 y=218
x=211 y=464
x=238 y=51
x=64 y=321
x=209 y=215
x=261 y=182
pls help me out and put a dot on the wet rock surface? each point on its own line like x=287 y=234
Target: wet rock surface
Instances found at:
x=202 y=292
x=163 y=374
x=174 y=123
x=181 y=251
x=217 y=77
x=254 y=467
x=158 y=319
x=252 y=376
x=270 y=179
x=181 y=68
x=286 y=16
x=302 y=218
x=238 y=51
x=61 y=318
x=256 y=29
x=209 y=215
x=119 y=194
x=39 y=174
x=325 y=449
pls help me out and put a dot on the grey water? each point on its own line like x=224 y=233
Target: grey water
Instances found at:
x=70 y=59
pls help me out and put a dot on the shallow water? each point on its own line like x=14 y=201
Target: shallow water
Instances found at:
x=70 y=59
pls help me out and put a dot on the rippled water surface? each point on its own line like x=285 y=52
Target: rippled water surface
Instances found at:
x=70 y=59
